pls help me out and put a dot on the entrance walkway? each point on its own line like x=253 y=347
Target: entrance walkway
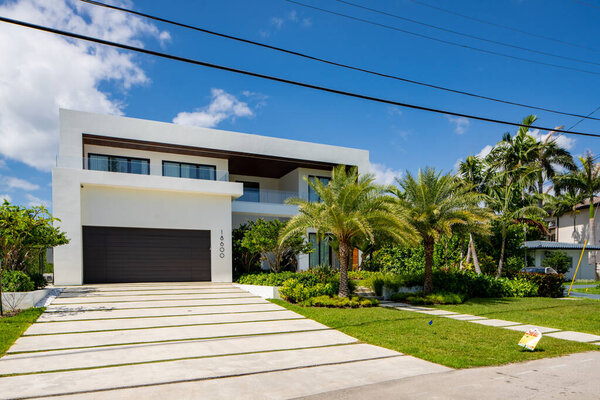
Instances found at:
x=187 y=340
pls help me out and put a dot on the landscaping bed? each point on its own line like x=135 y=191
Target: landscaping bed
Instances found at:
x=13 y=326
x=456 y=344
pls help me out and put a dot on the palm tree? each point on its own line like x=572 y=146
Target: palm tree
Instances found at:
x=550 y=156
x=351 y=208
x=587 y=180
x=435 y=204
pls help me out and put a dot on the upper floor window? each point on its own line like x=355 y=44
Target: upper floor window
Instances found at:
x=130 y=165
x=251 y=192
x=186 y=170
x=312 y=195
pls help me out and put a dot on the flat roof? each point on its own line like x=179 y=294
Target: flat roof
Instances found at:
x=548 y=245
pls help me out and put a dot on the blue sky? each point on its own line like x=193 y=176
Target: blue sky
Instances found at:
x=78 y=76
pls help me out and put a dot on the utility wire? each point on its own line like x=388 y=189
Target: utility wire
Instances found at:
x=448 y=42
x=274 y=78
x=582 y=119
x=334 y=63
x=507 y=27
x=466 y=34
x=585 y=3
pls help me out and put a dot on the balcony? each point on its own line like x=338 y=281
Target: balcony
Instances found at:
x=267 y=196
x=266 y=202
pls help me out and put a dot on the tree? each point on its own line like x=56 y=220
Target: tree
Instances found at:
x=587 y=180
x=550 y=156
x=244 y=261
x=351 y=207
x=23 y=232
x=435 y=205
x=263 y=237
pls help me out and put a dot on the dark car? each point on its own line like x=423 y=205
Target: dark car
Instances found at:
x=539 y=270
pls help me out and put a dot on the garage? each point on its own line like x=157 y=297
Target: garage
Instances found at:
x=112 y=255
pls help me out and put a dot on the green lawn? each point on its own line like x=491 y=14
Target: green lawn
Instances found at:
x=574 y=314
x=12 y=327
x=457 y=344
x=592 y=290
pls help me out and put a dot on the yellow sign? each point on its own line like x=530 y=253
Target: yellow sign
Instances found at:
x=530 y=339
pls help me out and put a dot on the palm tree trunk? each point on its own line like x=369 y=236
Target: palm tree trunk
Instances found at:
x=474 y=253
x=343 y=250
x=501 y=261
x=428 y=284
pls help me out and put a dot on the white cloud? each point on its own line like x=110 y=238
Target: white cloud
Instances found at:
x=277 y=22
x=461 y=124
x=15 y=183
x=384 y=175
x=42 y=72
x=290 y=19
x=36 y=201
x=293 y=15
x=222 y=106
x=5 y=197
x=563 y=141
x=485 y=151
x=306 y=22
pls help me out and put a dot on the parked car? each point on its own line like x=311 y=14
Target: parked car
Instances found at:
x=539 y=270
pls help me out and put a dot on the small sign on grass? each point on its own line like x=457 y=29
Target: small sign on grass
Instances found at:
x=530 y=339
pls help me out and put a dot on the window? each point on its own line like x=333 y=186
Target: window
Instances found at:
x=251 y=192
x=186 y=170
x=322 y=253
x=313 y=197
x=129 y=165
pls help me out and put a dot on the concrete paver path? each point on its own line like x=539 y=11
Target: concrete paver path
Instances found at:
x=188 y=340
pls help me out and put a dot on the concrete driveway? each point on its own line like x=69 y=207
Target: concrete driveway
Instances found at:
x=187 y=340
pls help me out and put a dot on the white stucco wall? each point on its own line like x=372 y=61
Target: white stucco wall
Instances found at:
x=586 y=270
x=577 y=234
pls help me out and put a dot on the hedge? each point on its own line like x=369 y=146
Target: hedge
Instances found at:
x=549 y=285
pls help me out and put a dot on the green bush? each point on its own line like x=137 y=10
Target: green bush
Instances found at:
x=294 y=291
x=434 y=298
x=308 y=278
x=558 y=260
x=339 y=302
x=549 y=285
x=39 y=282
x=16 y=281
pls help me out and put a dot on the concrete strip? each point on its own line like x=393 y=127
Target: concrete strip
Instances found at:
x=407 y=306
x=136 y=323
x=464 y=317
x=525 y=328
x=104 y=294
x=139 y=287
x=105 y=356
x=165 y=372
x=79 y=340
x=494 y=322
x=442 y=313
x=156 y=312
x=575 y=336
x=152 y=299
x=281 y=384
x=153 y=304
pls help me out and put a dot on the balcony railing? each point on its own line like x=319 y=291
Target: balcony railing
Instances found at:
x=267 y=196
x=126 y=165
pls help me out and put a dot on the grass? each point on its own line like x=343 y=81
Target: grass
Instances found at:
x=582 y=282
x=582 y=315
x=12 y=327
x=592 y=290
x=456 y=344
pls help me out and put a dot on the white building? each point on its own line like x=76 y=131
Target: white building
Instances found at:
x=150 y=201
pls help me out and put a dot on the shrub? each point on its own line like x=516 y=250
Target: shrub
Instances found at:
x=558 y=260
x=434 y=298
x=307 y=278
x=295 y=292
x=339 y=302
x=39 y=282
x=16 y=281
x=550 y=285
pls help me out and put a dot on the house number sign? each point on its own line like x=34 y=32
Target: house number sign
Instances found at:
x=222 y=246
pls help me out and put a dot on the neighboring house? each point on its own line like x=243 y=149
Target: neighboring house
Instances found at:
x=150 y=201
x=568 y=234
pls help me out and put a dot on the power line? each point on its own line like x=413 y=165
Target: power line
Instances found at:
x=334 y=63
x=585 y=3
x=581 y=120
x=448 y=42
x=277 y=79
x=510 y=28
x=466 y=34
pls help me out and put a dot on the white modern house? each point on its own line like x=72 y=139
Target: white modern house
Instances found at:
x=568 y=234
x=146 y=201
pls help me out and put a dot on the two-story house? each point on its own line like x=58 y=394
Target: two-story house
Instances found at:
x=145 y=201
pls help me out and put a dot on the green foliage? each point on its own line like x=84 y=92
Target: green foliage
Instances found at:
x=16 y=281
x=244 y=260
x=433 y=298
x=339 y=302
x=39 y=282
x=309 y=278
x=296 y=292
x=264 y=237
x=558 y=260
x=549 y=285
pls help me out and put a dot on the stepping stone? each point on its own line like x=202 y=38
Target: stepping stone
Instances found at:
x=575 y=336
x=464 y=317
x=495 y=322
x=442 y=313
x=525 y=328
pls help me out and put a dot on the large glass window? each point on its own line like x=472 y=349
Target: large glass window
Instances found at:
x=251 y=192
x=130 y=165
x=322 y=254
x=186 y=170
x=312 y=195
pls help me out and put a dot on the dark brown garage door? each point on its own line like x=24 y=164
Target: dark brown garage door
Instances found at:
x=145 y=255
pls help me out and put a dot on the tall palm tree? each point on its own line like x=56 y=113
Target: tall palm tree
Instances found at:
x=587 y=180
x=351 y=207
x=435 y=204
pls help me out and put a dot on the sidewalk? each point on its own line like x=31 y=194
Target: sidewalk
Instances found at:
x=499 y=323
